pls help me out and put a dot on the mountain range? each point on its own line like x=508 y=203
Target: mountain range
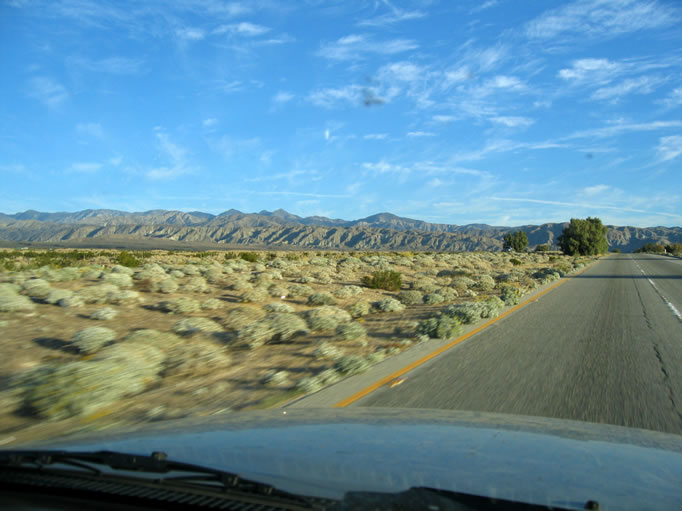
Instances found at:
x=281 y=229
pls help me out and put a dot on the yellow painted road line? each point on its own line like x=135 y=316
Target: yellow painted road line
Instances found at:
x=391 y=377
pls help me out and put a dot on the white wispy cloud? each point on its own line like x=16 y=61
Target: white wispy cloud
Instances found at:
x=620 y=128
x=418 y=134
x=91 y=129
x=330 y=97
x=375 y=136
x=601 y=18
x=243 y=28
x=14 y=168
x=289 y=176
x=595 y=190
x=176 y=156
x=116 y=65
x=591 y=70
x=85 y=167
x=282 y=97
x=512 y=121
x=356 y=46
x=190 y=34
x=670 y=147
x=444 y=118
x=674 y=98
x=47 y=90
x=209 y=122
x=396 y=15
x=641 y=85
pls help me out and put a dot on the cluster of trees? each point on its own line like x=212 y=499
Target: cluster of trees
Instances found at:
x=517 y=241
x=584 y=237
x=655 y=248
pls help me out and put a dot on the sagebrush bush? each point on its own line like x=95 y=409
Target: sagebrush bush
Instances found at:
x=325 y=350
x=190 y=270
x=326 y=317
x=296 y=290
x=309 y=384
x=515 y=261
x=439 y=327
x=190 y=326
x=176 y=274
x=351 y=331
x=92 y=339
x=388 y=305
x=385 y=279
x=411 y=297
x=485 y=282
x=55 y=295
x=321 y=299
x=36 y=288
x=256 y=295
x=347 y=291
x=180 y=305
x=166 y=286
x=196 y=285
x=117 y=279
x=352 y=364
x=239 y=317
x=433 y=299
x=278 y=307
x=449 y=294
x=359 y=309
x=286 y=325
x=101 y=293
x=104 y=314
x=71 y=301
x=254 y=335
x=274 y=378
x=510 y=295
x=12 y=302
x=278 y=291
x=240 y=285
x=212 y=304
x=117 y=268
x=125 y=258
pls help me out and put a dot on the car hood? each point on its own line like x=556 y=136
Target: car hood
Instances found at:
x=328 y=452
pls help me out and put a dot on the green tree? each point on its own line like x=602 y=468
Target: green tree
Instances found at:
x=542 y=248
x=651 y=248
x=517 y=241
x=584 y=237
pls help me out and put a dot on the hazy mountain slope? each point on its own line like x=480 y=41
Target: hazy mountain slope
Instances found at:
x=383 y=231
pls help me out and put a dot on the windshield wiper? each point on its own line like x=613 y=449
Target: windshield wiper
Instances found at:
x=156 y=463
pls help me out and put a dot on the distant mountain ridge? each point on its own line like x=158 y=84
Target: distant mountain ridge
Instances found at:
x=279 y=228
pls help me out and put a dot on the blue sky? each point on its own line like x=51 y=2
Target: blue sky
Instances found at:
x=501 y=112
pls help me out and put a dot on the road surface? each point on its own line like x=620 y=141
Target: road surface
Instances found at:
x=604 y=347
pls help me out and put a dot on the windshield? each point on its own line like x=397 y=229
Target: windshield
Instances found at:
x=209 y=208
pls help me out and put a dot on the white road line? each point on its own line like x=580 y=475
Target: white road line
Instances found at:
x=667 y=302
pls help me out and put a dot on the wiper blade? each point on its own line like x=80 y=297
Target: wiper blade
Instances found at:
x=155 y=463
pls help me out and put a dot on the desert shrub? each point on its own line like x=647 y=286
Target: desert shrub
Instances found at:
x=278 y=291
x=278 y=307
x=176 y=274
x=466 y=313
x=510 y=295
x=388 y=305
x=347 y=291
x=433 y=299
x=274 y=378
x=190 y=326
x=542 y=248
x=125 y=258
x=256 y=295
x=10 y=301
x=321 y=299
x=326 y=317
x=286 y=325
x=117 y=279
x=449 y=294
x=351 y=364
x=564 y=269
x=92 y=274
x=123 y=296
x=117 y=268
x=254 y=335
x=515 y=261
x=411 y=297
x=309 y=384
x=196 y=285
x=213 y=274
x=296 y=290
x=306 y=279
x=325 y=350
x=180 y=305
x=36 y=288
x=92 y=339
x=251 y=257
x=190 y=270
x=239 y=317
x=55 y=295
x=439 y=327
x=240 y=285
x=485 y=282
x=351 y=331
x=167 y=286
x=359 y=309
x=385 y=279
x=71 y=301
x=101 y=293
x=546 y=275
x=462 y=283
x=104 y=314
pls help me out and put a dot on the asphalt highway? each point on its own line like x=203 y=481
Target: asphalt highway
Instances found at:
x=604 y=347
